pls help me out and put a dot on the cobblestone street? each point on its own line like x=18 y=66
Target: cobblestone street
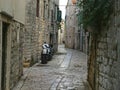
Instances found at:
x=66 y=71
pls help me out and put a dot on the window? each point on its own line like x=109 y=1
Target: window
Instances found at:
x=44 y=9
x=37 y=9
x=52 y=17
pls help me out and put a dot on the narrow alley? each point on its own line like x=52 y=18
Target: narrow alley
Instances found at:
x=66 y=71
x=59 y=44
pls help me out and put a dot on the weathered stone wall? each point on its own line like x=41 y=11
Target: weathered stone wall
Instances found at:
x=41 y=34
x=61 y=33
x=70 y=25
x=17 y=40
x=52 y=23
x=13 y=64
x=75 y=35
x=30 y=47
x=42 y=26
x=106 y=67
x=91 y=63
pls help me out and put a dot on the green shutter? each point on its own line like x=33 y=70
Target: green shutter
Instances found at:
x=59 y=14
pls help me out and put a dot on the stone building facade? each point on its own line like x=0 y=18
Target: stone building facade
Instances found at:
x=48 y=23
x=12 y=26
x=75 y=36
x=54 y=23
x=61 y=33
x=30 y=42
x=104 y=61
x=41 y=26
x=70 y=25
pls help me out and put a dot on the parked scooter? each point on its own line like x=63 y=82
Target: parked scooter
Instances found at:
x=44 y=56
x=50 y=51
x=47 y=53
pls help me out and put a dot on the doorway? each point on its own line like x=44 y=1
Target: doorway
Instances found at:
x=4 y=54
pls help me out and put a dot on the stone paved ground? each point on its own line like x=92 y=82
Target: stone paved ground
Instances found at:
x=66 y=71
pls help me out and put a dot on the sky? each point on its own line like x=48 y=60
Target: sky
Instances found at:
x=62 y=6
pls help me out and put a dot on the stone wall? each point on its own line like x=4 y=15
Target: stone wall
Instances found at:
x=16 y=63
x=75 y=36
x=31 y=36
x=41 y=35
x=13 y=56
x=61 y=33
x=53 y=25
x=104 y=73
x=70 y=25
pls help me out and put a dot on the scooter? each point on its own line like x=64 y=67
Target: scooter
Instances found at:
x=44 y=56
